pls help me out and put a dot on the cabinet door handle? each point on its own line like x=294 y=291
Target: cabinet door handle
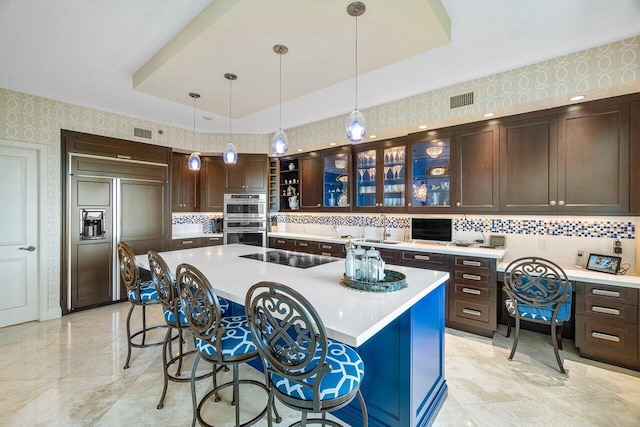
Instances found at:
x=458 y=204
x=120 y=156
x=560 y=202
x=472 y=263
x=605 y=310
x=471 y=312
x=421 y=257
x=552 y=202
x=303 y=244
x=605 y=293
x=214 y=239
x=326 y=253
x=471 y=277
x=607 y=337
x=327 y=247
x=409 y=204
x=280 y=241
x=318 y=204
x=187 y=242
x=471 y=291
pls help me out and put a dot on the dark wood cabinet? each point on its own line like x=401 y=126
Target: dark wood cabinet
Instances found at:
x=529 y=164
x=289 y=178
x=248 y=175
x=184 y=185
x=211 y=241
x=177 y=244
x=282 y=243
x=476 y=167
x=593 y=160
x=311 y=181
x=634 y=138
x=212 y=184
x=607 y=323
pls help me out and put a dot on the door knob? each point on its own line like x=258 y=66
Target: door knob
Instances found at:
x=561 y=203
x=30 y=249
x=552 y=203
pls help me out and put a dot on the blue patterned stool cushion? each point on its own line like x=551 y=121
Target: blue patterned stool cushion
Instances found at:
x=347 y=371
x=236 y=340
x=148 y=292
x=170 y=318
x=540 y=313
x=224 y=305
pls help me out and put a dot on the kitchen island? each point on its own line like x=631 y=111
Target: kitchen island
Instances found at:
x=399 y=335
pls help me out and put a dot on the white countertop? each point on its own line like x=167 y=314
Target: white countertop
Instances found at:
x=350 y=316
x=194 y=235
x=409 y=246
x=584 y=275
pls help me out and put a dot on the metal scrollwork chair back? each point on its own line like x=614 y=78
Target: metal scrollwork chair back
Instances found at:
x=539 y=291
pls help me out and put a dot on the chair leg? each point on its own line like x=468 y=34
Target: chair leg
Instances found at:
x=515 y=339
x=194 y=401
x=303 y=421
x=363 y=408
x=215 y=382
x=126 y=364
x=508 y=325
x=559 y=333
x=236 y=394
x=165 y=368
x=554 y=340
x=180 y=353
x=144 y=323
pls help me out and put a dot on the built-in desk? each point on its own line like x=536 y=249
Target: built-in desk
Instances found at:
x=400 y=335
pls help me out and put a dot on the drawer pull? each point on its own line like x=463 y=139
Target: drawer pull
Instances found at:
x=605 y=337
x=471 y=312
x=327 y=247
x=471 y=276
x=326 y=253
x=214 y=239
x=187 y=242
x=471 y=291
x=472 y=263
x=282 y=242
x=421 y=257
x=605 y=293
x=303 y=244
x=605 y=310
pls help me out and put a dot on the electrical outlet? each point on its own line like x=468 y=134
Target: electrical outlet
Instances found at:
x=543 y=243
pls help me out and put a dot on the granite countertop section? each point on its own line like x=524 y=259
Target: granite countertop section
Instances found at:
x=194 y=235
x=350 y=316
x=409 y=246
x=583 y=275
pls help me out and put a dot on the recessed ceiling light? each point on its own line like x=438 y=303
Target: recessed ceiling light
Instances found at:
x=577 y=98
x=207 y=117
x=299 y=149
x=332 y=143
x=488 y=114
x=422 y=127
x=373 y=136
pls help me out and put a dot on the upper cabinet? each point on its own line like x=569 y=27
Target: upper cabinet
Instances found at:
x=635 y=158
x=311 y=181
x=381 y=176
x=212 y=175
x=477 y=169
x=248 y=175
x=184 y=185
x=336 y=173
x=289 y=183
x=431 y=173
x=573 y=162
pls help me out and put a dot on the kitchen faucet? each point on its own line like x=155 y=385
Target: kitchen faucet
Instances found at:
x=385 y=234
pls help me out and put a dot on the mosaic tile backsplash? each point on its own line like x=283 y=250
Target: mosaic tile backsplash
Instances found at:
x=193 y=218
x=538 y=226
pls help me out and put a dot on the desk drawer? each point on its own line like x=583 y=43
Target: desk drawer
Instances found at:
x=603 y=293
x=473 y=277
x=466 y=262
x=475 y=291
x=607 y=340
x=613 y=310
x=428 y=260
x=476 y=313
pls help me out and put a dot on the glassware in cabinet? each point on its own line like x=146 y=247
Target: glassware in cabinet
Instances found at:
x=336 y=180
x=393 y=182
x=431 y=173
x=366 y=178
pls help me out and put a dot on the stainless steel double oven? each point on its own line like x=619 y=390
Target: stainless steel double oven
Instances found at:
x=245 y=219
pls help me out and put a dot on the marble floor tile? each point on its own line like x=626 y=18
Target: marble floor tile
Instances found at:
x=69 y=372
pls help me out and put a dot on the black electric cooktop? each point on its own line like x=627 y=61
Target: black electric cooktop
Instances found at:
x=290 y=259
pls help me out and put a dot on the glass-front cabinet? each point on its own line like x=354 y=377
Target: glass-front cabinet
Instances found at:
x=431 y=173
x=335 y=178
x=380 y=177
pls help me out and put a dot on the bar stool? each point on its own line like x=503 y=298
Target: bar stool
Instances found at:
x=304 y=369
x=220 y=341
x=141 y=294
x=174 y=317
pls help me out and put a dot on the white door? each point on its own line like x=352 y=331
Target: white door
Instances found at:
x=18 y=235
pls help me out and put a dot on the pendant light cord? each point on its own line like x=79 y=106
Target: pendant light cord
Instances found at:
x=357 y=13
x=229 y=110
x=194 y=123
x=280 y=122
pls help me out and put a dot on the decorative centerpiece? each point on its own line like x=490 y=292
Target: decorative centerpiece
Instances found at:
x=365 y=271
x=393 y=281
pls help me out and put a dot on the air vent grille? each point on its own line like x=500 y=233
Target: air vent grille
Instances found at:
x=142 y=133
x=461 y=100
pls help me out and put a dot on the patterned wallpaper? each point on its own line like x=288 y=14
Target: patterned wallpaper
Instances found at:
x=602 y=71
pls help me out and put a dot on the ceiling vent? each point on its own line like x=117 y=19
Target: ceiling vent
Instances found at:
x=142 y=133
x=461 y=100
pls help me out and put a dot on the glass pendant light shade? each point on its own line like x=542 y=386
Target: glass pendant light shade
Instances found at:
x=194 y=161
x=230 y=154
x=280 y=144
x=356 y=126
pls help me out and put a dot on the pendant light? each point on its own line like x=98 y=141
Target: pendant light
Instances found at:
x=230 y=155
x=194 y=161
x=280 y=143
x=356 y=124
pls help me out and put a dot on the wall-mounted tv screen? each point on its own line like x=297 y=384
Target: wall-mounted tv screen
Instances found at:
x=433 y=229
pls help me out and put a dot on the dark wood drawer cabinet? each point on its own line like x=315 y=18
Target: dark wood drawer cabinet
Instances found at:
x=331 y=249
x=473 y=295
x=607 y=323
x=428 y=260
x=212 y=241
x=306 y=246
x=177 y=244
x=282 y=243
